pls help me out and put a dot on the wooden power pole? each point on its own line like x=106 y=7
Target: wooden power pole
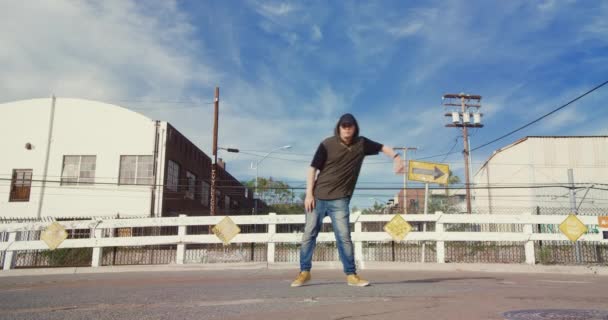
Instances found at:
x=467 y=117
x=216 y=110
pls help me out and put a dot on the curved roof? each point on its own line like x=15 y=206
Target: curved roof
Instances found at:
x=101 y=106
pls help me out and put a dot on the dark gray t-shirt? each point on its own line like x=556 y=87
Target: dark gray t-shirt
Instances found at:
x=339 y=165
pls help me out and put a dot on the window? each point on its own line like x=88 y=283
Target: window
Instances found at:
x=21 y=185
x=136 y=170
x=227 y=202
x=172 y=176
x=205 y=188
x=78 y=170
x=191 y=179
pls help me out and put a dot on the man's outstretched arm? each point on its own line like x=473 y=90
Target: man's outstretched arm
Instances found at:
x=397 y=161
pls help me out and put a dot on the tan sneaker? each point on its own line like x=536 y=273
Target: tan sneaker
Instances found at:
x=356 y=281
x=302 y=278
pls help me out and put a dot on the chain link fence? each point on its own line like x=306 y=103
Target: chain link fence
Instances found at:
x=564 y=252
x=3 y=238
x=553 y=252
x=77 y=257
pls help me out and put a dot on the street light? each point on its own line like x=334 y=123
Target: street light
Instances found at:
x=229 y=149
x=257 y=165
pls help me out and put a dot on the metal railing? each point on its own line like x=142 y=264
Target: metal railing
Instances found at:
x=449 y=238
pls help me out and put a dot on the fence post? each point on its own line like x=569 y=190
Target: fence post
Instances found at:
x=8 y=255
x=272 y=230
x=358 y=243
x=529 y=245
x=181 y=247
x=440 y=244
x=97 y=251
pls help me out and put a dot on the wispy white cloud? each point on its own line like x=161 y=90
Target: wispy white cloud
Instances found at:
x=567 y=117
x=275 y=9
x=406 y=30
x=414 y=22
x=597 y=27
x=547 y=5
x=120 y=50
x=317 y=35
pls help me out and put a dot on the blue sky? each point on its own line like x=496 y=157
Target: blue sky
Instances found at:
x=288 y=69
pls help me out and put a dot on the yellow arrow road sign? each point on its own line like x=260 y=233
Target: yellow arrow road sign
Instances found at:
x=428 y=172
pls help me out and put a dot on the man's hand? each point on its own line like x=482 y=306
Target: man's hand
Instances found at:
x=309 y=203
x=398 y=165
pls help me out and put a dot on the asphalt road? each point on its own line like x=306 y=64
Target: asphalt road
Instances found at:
x=266 y=294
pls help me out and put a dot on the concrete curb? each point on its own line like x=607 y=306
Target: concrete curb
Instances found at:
x=365 y=265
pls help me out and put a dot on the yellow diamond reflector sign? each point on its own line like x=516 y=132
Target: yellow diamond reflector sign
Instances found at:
x=398 y=228
x=572 y=227
x=53 y=235
x=226 y=230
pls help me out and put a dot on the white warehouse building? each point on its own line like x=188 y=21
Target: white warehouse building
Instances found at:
x=64 y=157
x=524 y=175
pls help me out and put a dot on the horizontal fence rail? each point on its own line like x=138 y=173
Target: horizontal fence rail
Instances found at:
x=102 y=233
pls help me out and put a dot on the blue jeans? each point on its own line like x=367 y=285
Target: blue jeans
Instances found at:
x=339 y=213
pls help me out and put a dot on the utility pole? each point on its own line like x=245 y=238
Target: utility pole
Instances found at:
x=405 y=170
x=214 y=165
x=573 y=207
x=462 y=119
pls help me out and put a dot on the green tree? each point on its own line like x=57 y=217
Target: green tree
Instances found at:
x=453 y=179
x=377 y=208
x=287 y=208
x=272 y=191
x=444 y=203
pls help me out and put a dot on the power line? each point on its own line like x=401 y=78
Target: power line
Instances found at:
x=167 y=109
x=160 y=101
x=278 y=152
x=542 y=117
x=184 y=187
x=94 y=185
x=452 y=148
x=520 y=128
x=277 y=158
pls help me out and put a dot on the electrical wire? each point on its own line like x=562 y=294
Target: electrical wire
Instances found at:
x=542 y=117
x=452 y=148
x=522 y=127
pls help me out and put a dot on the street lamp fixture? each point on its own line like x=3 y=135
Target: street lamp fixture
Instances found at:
x=233 y=150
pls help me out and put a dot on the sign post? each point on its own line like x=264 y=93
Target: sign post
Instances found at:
x=428 y=172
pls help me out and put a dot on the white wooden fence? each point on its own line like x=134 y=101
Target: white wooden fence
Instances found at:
x=439 y=236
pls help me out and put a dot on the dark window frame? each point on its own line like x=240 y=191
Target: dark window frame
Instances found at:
x=14 y=195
